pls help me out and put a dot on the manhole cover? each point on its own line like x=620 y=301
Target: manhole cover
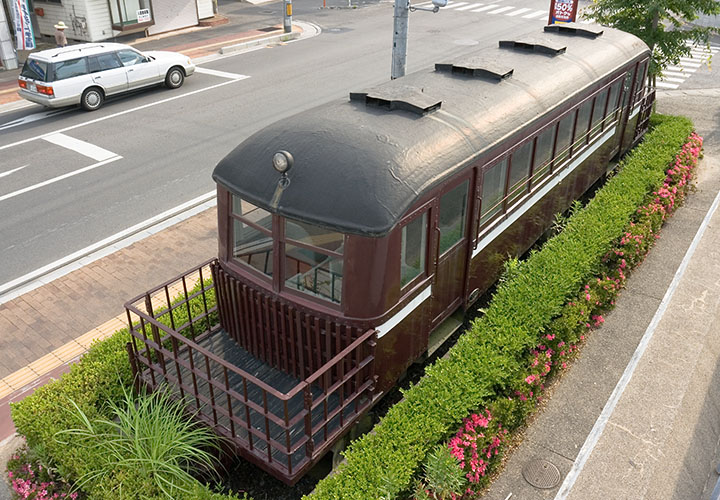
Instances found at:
x=541 y=474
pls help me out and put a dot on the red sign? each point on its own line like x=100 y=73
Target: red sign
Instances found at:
x=563 y=11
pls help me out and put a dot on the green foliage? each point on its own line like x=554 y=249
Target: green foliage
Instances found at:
x=444 y=478
x=94 y=384
x=150 y=437
x=661 y=24
x=487 y=359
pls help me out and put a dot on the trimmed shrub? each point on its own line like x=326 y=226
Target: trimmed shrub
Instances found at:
x=486 y=360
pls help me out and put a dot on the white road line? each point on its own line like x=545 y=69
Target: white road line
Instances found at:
x=12 y=171
x=537 y=13
x=487 y=7
x=104 y=247
x=676 y=74
x=58 y=178
x=131 y=110
x=222 y=74
x=688 y=64
x=622 y=384
x=501 y=9
x=454 y=5
x=84 y=148
x=670 y=79
x=468 y=7
x=693 y=60
x=666 y=85
x=680 y=68
x=517 y=12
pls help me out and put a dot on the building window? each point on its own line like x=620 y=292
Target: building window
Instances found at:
x=413 y=250
x=130 y=14
x=453 y=205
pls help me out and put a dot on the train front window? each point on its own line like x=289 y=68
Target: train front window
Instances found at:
x=313 y=260
x=252 y=236
x=414 y=242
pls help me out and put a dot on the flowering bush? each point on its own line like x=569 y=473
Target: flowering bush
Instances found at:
x=32 y=480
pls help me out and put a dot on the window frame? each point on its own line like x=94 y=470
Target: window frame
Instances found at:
x=424 y=209
x=466 y=212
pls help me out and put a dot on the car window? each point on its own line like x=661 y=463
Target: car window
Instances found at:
x=130 y=57
x=104 y=62
x=37 y=70
x=71 y=68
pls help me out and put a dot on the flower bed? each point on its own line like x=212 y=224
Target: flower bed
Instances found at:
x=493 y=364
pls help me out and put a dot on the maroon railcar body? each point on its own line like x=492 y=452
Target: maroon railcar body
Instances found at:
x=398 y=210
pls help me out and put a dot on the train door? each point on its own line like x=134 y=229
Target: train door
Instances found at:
x=451 y=248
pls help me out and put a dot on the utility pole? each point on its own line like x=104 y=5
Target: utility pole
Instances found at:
x=400 y=34
x=8 y=57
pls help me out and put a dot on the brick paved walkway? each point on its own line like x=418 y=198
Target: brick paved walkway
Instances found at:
x=50 y=317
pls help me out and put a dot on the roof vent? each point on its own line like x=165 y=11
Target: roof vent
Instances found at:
x=574 y=29
x=476 y=67
x=398 y=97
x=537 y=46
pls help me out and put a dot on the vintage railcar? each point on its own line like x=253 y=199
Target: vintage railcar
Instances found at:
x=352 y=233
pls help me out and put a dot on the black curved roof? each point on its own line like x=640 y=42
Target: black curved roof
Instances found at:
x=361 y=163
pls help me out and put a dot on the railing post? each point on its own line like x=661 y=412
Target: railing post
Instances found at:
x=155 y=331
x=307 y=396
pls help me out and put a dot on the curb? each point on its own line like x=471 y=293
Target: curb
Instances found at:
x=284 y=37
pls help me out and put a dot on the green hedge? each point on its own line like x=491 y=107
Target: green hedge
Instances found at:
x=486 y=359
x=98 y=378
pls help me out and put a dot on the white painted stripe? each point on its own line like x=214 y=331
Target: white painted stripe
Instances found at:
x=537 y=13
x=131 y=110
x=468 y=7
x=4 y=174
x=680 y=68
x=84 y=148
x=671 y=79
x=500 y=10
x=223 y=74
x=503 y=224
x=517 y=12
x=693 y=60
x=676 y=74
x=622 y=384
x=487 y=7
x=663 y=85
x=57 y=179
x=454 y=5
x=404 y=312
x=107 y=246
x=686 y=64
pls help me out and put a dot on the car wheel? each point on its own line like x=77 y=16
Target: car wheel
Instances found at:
x=92 y=99
x=174 y=78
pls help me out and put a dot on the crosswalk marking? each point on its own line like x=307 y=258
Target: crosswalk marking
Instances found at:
x=468 y=7
x=665 y=85
x=487 y=7
x=680 y=68
x=536 y=14
x=501 y=9
x=517 y=12
x=450 y=5
x=673 y=76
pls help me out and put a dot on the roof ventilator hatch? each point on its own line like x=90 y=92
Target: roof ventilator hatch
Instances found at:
x=537 y=46
x=476 y=67
x=404 y=98
x=574 y=30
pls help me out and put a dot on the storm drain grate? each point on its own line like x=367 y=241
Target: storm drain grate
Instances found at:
x=541 y=474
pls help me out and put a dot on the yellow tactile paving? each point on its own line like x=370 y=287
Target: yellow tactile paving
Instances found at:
x=45 y=364
x=87 y=339
x=20 y=378
x=5 y=390
x=69 y=351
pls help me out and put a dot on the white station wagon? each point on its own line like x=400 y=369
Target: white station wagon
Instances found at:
x=87 y=73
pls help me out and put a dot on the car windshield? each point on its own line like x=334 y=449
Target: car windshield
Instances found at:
x=37 y=70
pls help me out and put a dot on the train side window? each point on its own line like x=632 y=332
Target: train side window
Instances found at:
x=413 y=249
x=452 y=216
x=252 y=241
x=582 y=124
x=598 y=112
x=613 y=100
x=640 y=79
x=519 y=172
x=627 y=85
x=543 y=153
x=564 y=138
x=493 y=191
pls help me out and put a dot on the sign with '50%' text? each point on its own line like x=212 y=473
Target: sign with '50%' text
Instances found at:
x=563 y=11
